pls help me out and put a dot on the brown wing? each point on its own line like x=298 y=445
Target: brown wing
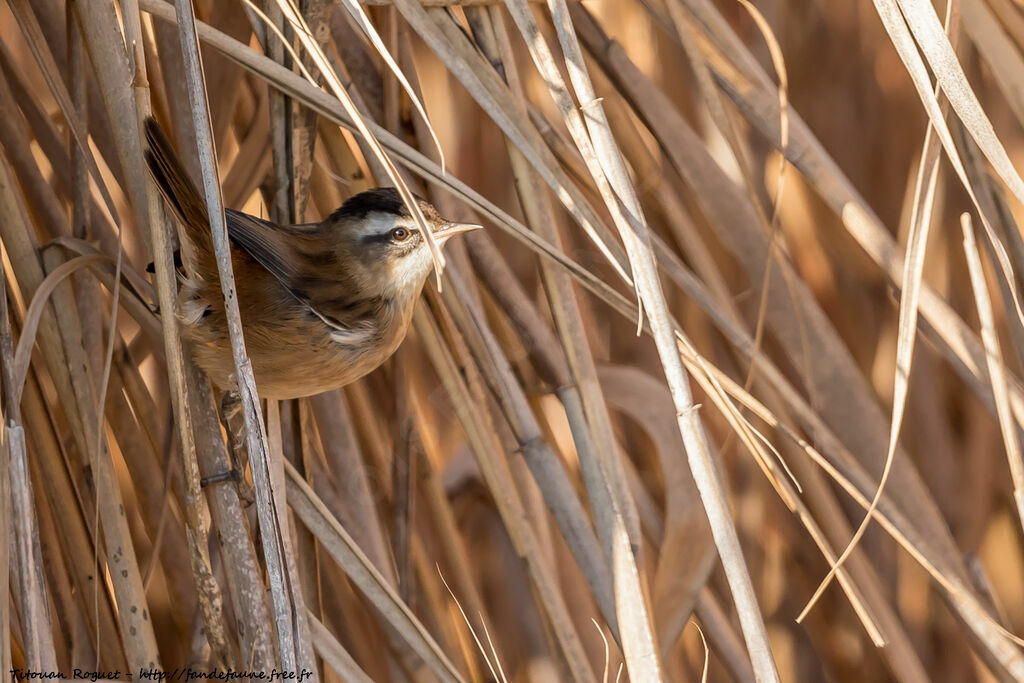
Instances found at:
x=273 y=246
x=301 y=259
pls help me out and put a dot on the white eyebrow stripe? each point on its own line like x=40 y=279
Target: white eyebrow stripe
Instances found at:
x=380 y=223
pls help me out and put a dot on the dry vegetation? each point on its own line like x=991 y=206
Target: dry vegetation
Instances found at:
x=530 y=489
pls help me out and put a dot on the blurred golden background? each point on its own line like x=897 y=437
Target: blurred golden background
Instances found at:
x=515 y=476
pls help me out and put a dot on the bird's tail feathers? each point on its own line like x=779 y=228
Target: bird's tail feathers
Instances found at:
x=182 y=196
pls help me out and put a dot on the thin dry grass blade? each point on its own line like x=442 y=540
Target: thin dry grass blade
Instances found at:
x=753 y=93
x=334 y=655
x=962 y=100
x=462 y=59
x=344 y=550
x=359 y=14
x=995 y=365
x=726 y=126
x=921 y=19
x=298 y=22
x=913 y=271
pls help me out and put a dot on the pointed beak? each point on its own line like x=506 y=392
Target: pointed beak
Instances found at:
x=452 y=229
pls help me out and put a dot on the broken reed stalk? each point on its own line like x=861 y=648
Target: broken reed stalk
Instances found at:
x=20 y=552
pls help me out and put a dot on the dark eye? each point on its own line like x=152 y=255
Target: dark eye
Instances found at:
x=400 y=234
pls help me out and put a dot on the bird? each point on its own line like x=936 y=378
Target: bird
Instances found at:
x=321 y=304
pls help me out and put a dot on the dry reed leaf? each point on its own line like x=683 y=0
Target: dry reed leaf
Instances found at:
x=808 y=322
x=913 y=271
x=342 y=453
x=921 y=19
x=726 y=126
x=686 y=554
x=837 y=463
x=806 y=153
x=779 y=64
x=359 y=14
x=33 y=317
x=704 y=642
x=995 y=365
x=998 y=51
x=709 y=380
x=949 y=75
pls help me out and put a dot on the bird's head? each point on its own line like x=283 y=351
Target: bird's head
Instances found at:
x=384 y=242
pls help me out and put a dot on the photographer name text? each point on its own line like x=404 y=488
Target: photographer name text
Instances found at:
x=184 y=674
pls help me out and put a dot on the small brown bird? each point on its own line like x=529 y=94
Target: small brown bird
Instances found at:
x=322 y=304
